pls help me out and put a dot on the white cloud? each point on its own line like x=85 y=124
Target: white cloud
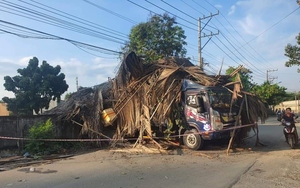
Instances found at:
x=24 y=61
x=89 y=73
x=252 y=25
x=232 y=10
x=6 y=60
x=97 y=60
x=218 y=6
x=100 y=63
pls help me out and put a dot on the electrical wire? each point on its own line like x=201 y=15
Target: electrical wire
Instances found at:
x=272 y=25
x=89 y=46
x=239 y=36
x=241 y=54
x=160 y=15
x=111 y=12
x=230 y=42
x=176 y=15
x=180 y=10
x=61 y=26
x=235 y=55
x=81 y=20
x=60 y=23
x=201 y=6
x=242 y=46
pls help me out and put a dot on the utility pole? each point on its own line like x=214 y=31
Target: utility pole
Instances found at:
x=200 y=59
x=268 y=74
x=272 y=78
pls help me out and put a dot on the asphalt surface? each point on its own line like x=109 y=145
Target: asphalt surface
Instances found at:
x=185 y=168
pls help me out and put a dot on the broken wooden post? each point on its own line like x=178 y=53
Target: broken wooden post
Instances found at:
x=236 y=123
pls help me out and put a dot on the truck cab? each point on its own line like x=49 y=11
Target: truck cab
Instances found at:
x=208 y=112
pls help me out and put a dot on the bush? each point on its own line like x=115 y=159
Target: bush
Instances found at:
x=42 y=131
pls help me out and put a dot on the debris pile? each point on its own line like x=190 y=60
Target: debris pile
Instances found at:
x=144 y=95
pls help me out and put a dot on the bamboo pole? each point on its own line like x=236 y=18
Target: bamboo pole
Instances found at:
x=236 y=123
x=92 y=130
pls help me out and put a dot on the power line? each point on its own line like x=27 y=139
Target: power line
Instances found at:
x=180 y=10
x=23 y=32
x=201 y=6
x=231 y=52
x=240 y=53
x=260 y=75
x=272 y=26
x=239 y=35
x=84 y=21
x=59 y=22
x=59 y=25
x=246 y=51
x=224 y=52
x=111 y=12
x=192 y=7
x=234 y=46
x=89 y=46
x=160 y=15
x=171 y=13
x=176 y=15
x=80 y=48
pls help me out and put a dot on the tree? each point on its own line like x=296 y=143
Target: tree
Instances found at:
x=157 y=38
x=245 y=75
x=293 y=53
x=272 y=94
x=34 y=87
x=68 y=96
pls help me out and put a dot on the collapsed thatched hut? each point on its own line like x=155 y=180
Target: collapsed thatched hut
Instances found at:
x=144 y=94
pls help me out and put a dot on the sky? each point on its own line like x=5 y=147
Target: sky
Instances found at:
x=252 y=33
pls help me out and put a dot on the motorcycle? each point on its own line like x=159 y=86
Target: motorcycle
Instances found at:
x=278 y=116
x=290 y=133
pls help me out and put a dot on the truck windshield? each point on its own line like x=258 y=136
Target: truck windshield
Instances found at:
x=219 y=98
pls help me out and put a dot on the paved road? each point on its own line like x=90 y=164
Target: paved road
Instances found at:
x=110 y=169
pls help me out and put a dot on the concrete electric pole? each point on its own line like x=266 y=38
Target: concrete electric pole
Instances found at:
x=268 y=79
x=200 y=29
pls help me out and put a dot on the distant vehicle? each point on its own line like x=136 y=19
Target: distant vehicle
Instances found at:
x=289 y=131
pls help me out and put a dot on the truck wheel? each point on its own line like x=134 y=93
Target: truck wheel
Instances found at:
x=192 y=139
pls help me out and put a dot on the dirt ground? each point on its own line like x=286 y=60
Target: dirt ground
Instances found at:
x=273 y=165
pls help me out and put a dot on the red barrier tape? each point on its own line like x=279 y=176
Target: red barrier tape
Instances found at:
x=106 y=139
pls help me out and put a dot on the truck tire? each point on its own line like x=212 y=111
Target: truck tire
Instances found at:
x=192 y=139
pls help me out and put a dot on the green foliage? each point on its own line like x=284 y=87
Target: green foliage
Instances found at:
x=293 y=53
x=34 y=87
x=246 y=77
x=42 y=131
x=68 y=95
x=272 y=94
x=291 y=96
x=157 y=38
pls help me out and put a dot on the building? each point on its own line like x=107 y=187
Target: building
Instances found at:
x=3 y=109
x=294 y=105
x=52 y=104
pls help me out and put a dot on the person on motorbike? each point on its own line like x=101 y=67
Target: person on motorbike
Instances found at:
x=278 y=113
x=289 y=117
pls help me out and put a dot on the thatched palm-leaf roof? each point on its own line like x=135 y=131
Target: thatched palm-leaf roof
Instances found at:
x=142 y=94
